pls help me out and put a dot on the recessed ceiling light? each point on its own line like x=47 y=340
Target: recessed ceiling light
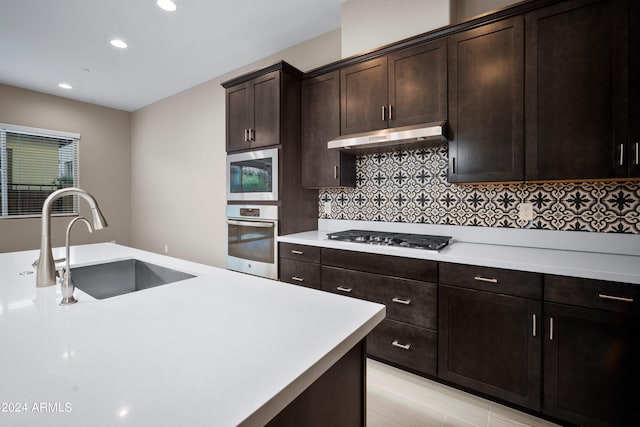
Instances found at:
x=167 y=5
x=119 y=43
x=65 y=85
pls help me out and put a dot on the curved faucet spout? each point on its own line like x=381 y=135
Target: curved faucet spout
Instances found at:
x=46 y=273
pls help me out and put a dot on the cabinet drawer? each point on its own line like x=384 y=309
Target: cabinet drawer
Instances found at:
x=405 y=345
x=410 y=268
x=598 y=294
x=300 y=273
x=300 y=252
x=407 y=301
x=496 y=280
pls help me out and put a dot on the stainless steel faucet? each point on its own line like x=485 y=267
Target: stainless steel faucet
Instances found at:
x=46 y=272
x=65 y=273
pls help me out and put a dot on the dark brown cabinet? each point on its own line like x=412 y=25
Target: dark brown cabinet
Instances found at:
x=489 y=326
x=408 y=336
x=403 y=88
x=253 y=113
x=322 y=167
x=634 y=90
x=576 y=91
x=486 y=103
x=300 y=265
x=591 y=369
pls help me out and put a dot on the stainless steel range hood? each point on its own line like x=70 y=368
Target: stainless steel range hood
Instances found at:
x=401 y=138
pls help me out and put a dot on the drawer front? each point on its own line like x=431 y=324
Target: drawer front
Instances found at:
x=598 y=294
x=410 y=268
x=300 y=252
x=496 y=280
x=405 y=345
x=407 y=301
x=300 y=273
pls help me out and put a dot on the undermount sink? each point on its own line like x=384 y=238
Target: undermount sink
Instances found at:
x=122 y=277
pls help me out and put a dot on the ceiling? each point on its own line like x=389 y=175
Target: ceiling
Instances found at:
x=44 y=43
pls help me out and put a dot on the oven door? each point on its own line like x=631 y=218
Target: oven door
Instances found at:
x=252 y=247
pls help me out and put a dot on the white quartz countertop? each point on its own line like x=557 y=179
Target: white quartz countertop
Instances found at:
x=592 y=265
x=220 y=349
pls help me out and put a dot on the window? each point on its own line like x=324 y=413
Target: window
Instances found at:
x=33 y=164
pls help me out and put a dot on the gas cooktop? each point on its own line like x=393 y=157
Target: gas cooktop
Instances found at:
x=406 y=240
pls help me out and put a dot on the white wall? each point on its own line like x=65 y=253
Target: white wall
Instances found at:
x=178 y=162
x=465 y=9
x=104 y=161
x=369 y=24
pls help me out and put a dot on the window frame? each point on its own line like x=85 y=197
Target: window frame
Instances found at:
x=38 y=132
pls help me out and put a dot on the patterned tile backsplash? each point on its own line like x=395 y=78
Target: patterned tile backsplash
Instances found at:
x=411 y=186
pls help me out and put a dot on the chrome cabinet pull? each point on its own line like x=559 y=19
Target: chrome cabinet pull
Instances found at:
x=252 y=135
x=611 y=297
x=335 y=172
x=390 y=112
x=297 y=279
x=485 y=279
x=383 y=113
x=551 y=329
x=637 y=154
x=395 y=343
x=621 y=154
x=295 y=252
x=401 y=301
x=343 y=289
x=534 y=325
x=246 y=135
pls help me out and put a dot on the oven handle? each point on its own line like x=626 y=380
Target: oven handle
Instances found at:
x=251 y=223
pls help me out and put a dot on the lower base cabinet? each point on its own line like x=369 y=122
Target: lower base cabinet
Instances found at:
x=404 y=345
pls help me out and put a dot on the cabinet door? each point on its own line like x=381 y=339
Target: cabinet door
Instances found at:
x=490 y=343
x=591 y=366
x=486 y=103
x=418 y=84
x=363 y=97
x=265 y=113
x=238 y=117
x=576 y=91
x=634 y=90
x=321 y=123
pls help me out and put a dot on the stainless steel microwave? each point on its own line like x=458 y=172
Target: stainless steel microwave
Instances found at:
x=253 y=175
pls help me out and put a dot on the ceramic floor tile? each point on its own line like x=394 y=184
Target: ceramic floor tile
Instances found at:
x=397 y=398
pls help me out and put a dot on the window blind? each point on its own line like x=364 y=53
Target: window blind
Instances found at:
x=32 y=166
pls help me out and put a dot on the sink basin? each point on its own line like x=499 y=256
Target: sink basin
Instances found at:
x=121 y=277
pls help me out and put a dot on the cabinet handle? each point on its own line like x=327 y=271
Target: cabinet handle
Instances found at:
x=390 y=112
x=401 y=301
x=297 y=279
x=534 y=325
x=551 y=329
x=295 y=252
x=246 y=135
x=383 y=113
x=637 y=154
x=335 y=172
x=623 y=299
x=252 y=134
x=395 y=343
x=485 y=279
x=621 y=154
x=343 y=289
x=453 y=165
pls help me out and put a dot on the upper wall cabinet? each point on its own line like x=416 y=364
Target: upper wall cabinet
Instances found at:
x=485 y=103
x=634 y=90
x=263 y=107
x=577 y=90
x=403 y=88
x=322 y=167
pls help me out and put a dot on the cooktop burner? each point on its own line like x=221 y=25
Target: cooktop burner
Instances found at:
x=406 y=240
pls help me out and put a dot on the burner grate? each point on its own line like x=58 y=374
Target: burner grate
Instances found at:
x=406 y=240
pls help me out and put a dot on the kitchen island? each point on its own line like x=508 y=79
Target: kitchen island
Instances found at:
x=220 y=349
